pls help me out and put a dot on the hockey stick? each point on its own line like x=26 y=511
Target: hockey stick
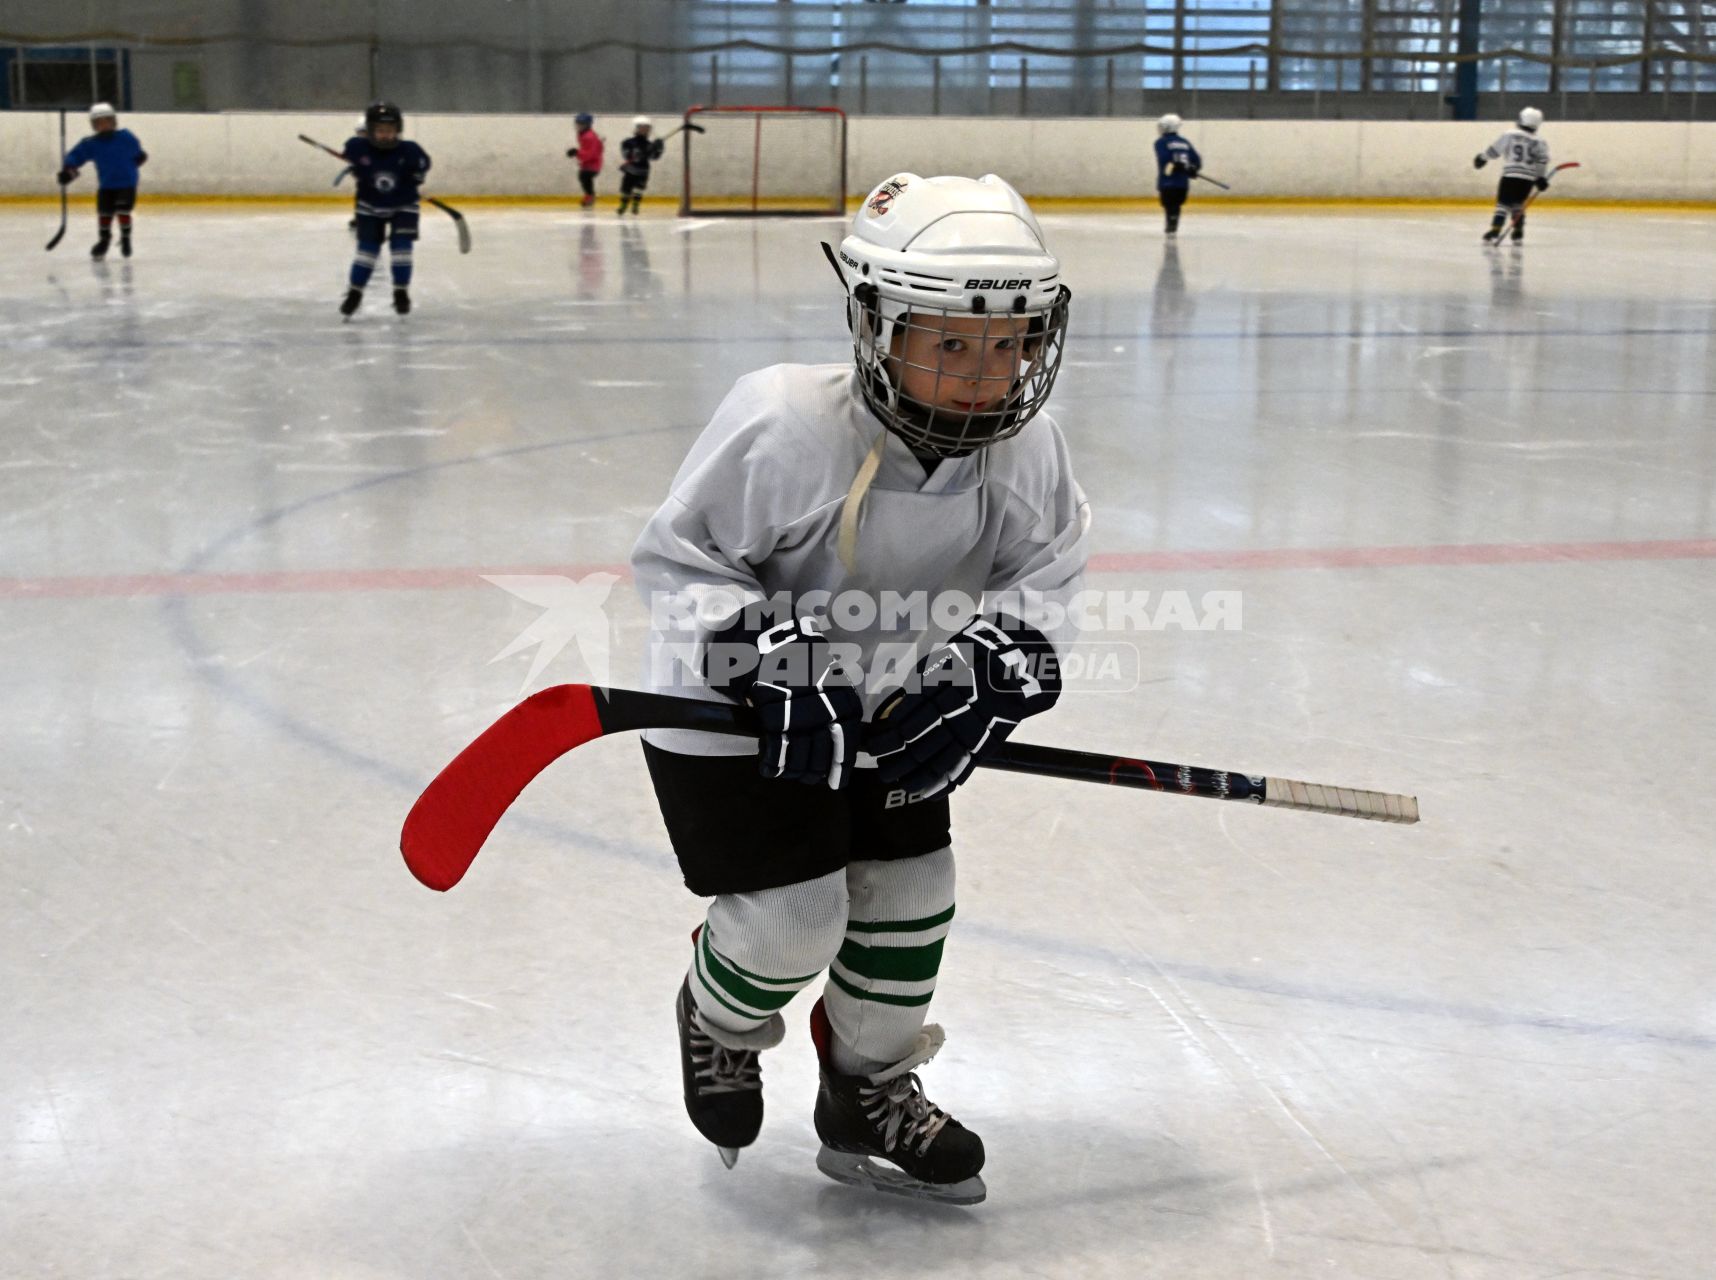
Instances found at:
x=321 y=146
x=694 y=128
x=61 y=233
x=458 y=221
x=449 y=210
x=446 y=828
x=1519 y=215
x=1214 y=183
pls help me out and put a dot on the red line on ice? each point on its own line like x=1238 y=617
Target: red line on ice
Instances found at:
x=282 y=582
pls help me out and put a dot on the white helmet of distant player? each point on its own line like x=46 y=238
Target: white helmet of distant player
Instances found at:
x=1530 y=119
x=1169 y=123
x=642 y=122
x=102 y=111
x=925 y=251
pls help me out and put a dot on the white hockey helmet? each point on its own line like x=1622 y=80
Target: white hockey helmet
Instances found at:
x=102 y=111
x=924 y=251
x=1169 y=123
x=642 y=122
x=1530 y=119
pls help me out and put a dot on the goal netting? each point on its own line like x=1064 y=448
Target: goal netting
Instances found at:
x=765 y=160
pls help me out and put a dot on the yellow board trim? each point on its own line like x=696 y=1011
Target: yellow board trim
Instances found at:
x=1203 y=202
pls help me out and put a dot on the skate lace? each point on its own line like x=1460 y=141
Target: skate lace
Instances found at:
x=902 y=1114
x=718 y=1069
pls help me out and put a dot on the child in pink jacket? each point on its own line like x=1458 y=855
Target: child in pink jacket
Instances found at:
x=589 y=156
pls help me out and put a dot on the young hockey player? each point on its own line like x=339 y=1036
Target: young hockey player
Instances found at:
x=1525 y=158
x=636 y=154
x=118 y=156
x=389 y=171
x=589 y=155
x=1177 y=163
x=928 y=470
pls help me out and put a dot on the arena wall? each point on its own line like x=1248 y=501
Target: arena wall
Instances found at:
x=258 y=154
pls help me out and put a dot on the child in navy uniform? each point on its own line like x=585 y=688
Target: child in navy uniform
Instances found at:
x=117 y=156
x=1177 y=163
x=636 y=154
x=389 y=171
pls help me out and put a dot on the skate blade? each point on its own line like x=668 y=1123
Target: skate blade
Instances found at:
x=862 y=1171
x=729 y=1155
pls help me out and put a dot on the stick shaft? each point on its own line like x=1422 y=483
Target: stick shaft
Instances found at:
x=629 y=709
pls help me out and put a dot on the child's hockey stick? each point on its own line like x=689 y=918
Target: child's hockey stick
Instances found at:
x=321 y=146
x=447 y=826
x=1519 y=215
x=694 y=128
x=449 y=210
x=1214 y=183
x=61 y=233
x=458 y=221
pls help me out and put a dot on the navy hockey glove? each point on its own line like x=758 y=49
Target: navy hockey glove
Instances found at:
x=968 y=696
x=142 y=157
x=808 y=713
x=1543 y=184
x=66 y=175
x=1479 y=161
x=1192 y=172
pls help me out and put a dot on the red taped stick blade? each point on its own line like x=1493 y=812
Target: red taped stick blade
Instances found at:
x=446 y=828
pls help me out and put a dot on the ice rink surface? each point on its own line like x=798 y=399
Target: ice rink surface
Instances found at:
x=1467 y=497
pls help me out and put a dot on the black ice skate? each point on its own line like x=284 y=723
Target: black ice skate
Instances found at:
x=402 y=301
x=864 y=1121
x=354 y=300
x=125 y=243
x=723 y=1079
x=98 y=250
x=1493 y=235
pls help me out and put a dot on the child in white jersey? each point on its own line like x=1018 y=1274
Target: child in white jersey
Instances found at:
x=1525 y=164
x=817 y=531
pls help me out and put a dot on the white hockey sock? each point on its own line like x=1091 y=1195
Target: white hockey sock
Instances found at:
x=880 y=985
x=756 y=951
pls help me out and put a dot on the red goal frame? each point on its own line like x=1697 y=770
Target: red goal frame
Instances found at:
x=757 y=209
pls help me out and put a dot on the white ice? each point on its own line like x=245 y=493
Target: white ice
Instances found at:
x=1469 y=499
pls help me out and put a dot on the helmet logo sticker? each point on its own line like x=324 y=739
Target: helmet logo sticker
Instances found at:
x=884 y=197
x=986 y=283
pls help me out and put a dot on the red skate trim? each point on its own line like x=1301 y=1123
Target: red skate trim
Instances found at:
x=821 y=1034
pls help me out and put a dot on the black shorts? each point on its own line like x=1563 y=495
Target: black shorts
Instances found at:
x=374 y=228
x=111 y=200
x=1513 y=191
x=735 y=831
x=1171 y=197
x=633 y=182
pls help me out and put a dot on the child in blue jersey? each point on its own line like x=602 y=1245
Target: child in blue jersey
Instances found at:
x=117 y=156
x=389 y=171
x=1177 y=163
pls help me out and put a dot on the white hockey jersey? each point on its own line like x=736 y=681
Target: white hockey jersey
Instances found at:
x=755 y=511
x=1526 y=154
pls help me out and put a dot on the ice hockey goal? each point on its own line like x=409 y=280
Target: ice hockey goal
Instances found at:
x=751 y=161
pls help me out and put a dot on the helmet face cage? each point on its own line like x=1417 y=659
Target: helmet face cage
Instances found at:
x=918 y=362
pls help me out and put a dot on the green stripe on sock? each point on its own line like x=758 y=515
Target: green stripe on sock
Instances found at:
x=797 y=984
x=892 y=964
x=721 y=973
x=899 y=926
x=726 y=1003
x=877 y=997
